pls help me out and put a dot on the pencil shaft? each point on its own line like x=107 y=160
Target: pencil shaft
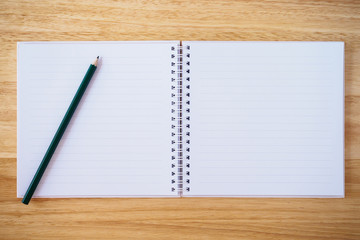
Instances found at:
x=59 y=133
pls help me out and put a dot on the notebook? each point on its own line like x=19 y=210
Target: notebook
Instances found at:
x=190 y=119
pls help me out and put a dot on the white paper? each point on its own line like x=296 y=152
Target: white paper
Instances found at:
x=118 y=141
x=267 y=119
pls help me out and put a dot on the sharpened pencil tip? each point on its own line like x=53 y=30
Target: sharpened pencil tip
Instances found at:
x=96 y=61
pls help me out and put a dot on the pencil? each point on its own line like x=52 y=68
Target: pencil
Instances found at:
x=60 y=132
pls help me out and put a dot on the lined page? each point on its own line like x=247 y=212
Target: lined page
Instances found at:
x=266 y=119
x=118 y=141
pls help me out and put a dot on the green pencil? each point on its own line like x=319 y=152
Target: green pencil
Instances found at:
x=60 y=132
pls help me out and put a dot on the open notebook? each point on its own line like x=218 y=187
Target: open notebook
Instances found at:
x=202 y=119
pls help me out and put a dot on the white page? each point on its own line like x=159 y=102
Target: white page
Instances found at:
x=118 y=141
x=267 y=119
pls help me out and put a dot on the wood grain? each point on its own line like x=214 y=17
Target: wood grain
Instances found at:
x=208 y=218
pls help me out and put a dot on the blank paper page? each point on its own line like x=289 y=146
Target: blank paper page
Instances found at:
x=118 y=141
x=267 y=119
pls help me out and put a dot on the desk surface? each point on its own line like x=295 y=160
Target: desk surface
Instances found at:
x=206 y=218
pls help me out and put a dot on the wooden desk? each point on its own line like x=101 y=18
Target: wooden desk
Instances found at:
x=209 y=218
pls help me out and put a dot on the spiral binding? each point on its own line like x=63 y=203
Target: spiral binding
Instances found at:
x=176 y=119
x=180 y=117
x=186 y=116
